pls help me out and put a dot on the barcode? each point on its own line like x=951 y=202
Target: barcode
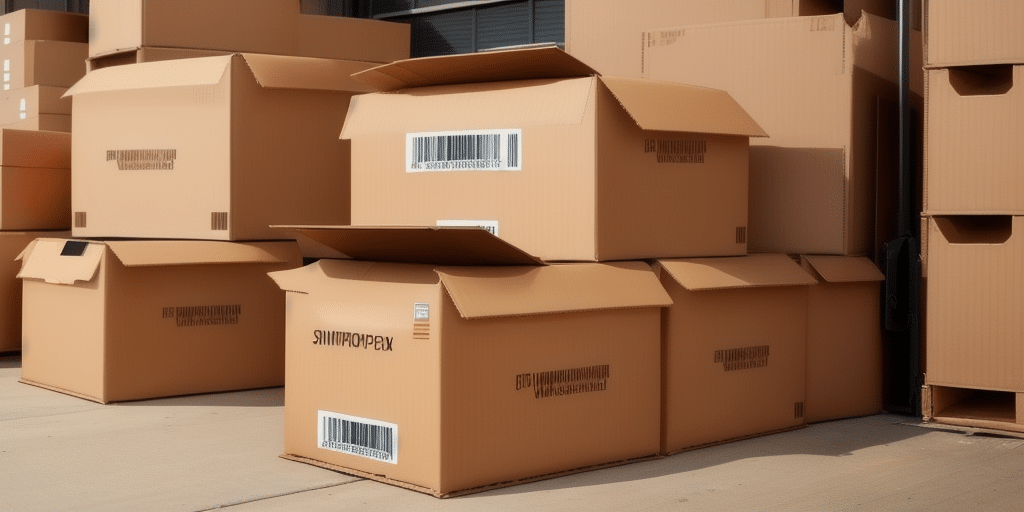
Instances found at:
x=372 y=439
x=489 y=150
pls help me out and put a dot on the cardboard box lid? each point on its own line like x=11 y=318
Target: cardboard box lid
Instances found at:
x=750 y=271
x=844 y=269
x=439 y=245
x=516 y=291
x=270 y=71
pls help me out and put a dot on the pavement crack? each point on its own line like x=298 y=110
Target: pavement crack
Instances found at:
x=254 y=499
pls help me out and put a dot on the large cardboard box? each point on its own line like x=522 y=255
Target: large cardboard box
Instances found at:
x=136 y=319
x=844 y=338
x=606 y=34
x=973 y=322
x=53 y=63
x=734 y=348
x=35 y=180
x=11 y=245
x=471 y=377
x=564 y=164
x=823 y=92
x=247 y=26
x=37 y=24
x=28 y=102
x=978 y=32
x=973 y=160
x=211 y=148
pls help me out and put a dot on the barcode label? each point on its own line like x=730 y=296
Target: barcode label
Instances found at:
x=372 y=439
x=489 y=225
x=469 y=150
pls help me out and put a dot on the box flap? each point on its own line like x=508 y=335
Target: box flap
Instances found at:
x=146 y=253
x=153 y=75
x=517 y=64
x=750 y=271
x=439 y=245
x=844 y=269
x=656 y=105
x=307 y=278
x=512 y=291
x=60 y=261
x=285 y=72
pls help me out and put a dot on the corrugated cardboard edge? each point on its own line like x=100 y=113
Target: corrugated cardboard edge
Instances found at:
x=928 y=416
x=462 y=492
x=733 y=439
x=63 y=391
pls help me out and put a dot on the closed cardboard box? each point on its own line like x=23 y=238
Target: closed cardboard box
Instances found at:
x=28 y=102
x=823 y=91
x=566 y=165
x=971 y=33
x=53 y=63
x=471 y=377
x=37 y=24
x=35 y=180
x=130 y=320
x=248 y=26
x=11 y=245
x=844 y=338
x=213 y=148
x=42 y=122
x=734 y=348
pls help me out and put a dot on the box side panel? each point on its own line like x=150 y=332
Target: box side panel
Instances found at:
x=114 y=25
x=258 y=26
x=11 y=245
x=979 y=32
x=53 y=63
x=35 y=199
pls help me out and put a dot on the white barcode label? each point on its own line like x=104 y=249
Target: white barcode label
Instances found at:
x=468 y=150
x=7 y=64
x=377 y=440
x=23 y=106
x=489 y=225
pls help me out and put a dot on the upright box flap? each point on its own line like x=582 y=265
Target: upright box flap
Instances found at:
x=844 y=269
x=285 y=72
x=518 y=64
x=656 y=105
x=60 y=261
x=441 y=245
x=147 y=253
x=153 y=75
x=751 y=271
x=513 y=291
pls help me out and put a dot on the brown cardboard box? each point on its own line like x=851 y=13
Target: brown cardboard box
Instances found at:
x=606 y=34
x=129 y=320
x=149 y=54
x=734 y=348
x=21 y=104
x=38 y=24
x=971 y=33
x=973 y=160
x=247 y=26
x=11 y=245
x=823 y=91
x=53 y=63
x=973 y=320
x=488 y=376
x=35 y=180
x=844 y=338
x=42 y=122
x=211 y=148
x=600 y=168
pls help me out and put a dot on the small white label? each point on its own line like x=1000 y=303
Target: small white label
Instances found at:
x=7 y=29
x=7 y=64
x=490 y=225
x=23 y=115
x=7 y=77
x=23 y=105
x=466 y=150
x=7 y=40
x=420 y=312
x=372 y=439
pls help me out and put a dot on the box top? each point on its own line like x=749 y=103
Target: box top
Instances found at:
x=67 y=261
x=35 y=148
x=439 y=245
x=44 y=24
x=844 y=269
x=270 y=71
x=750 y=271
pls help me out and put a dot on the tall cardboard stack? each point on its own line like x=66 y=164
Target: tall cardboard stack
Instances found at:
x=974 y=213
x=179 y=168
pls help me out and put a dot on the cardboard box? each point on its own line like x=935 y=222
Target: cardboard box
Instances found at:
x=606 y=35
x=823 y=91
x=972 y=316
x=844 y=338
x=246 y=26
x=11 y=245
x=53 y=63
x=37 y=24
x=734 y=348
x=149 y=54
x=35 y=180
x=973 y=33
x=476 y=376
x=42 y=122
x=213 y=148
x=974 y=408
x=129 y=320
x=21 y=104
x=566 y=165
x=972 y=158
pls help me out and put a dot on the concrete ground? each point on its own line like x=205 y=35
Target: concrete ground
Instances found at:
x=220 y=452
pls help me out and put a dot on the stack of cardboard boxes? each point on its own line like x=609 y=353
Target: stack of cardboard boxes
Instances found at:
x=973 y=206
x=179 y=168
